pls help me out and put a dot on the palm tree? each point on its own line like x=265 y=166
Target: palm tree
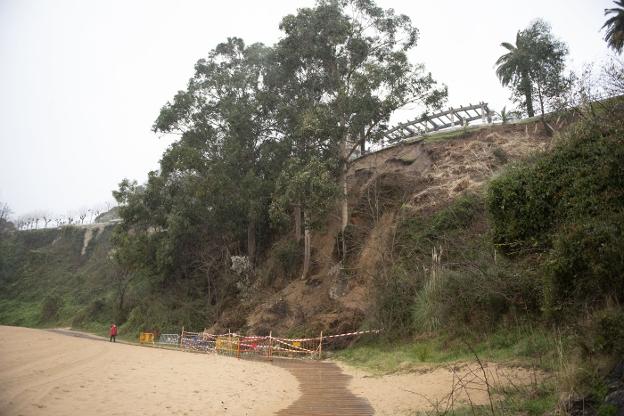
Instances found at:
x=515 y=65
x=615 y=26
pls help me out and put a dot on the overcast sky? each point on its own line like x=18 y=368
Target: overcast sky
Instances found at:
x=81 y=82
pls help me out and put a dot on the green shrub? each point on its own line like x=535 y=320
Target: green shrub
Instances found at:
x=98 y=310
x=587 y=262
x=449 y=227
x=289 y=256
x=476 y=298
x=394 y=301
x=569 y=205
x=609 y=332
x=583 y=177
x=50 y=307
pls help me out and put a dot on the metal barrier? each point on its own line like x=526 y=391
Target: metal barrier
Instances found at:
x=169 y=339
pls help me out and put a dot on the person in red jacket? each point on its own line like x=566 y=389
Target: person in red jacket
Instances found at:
x=112 y=333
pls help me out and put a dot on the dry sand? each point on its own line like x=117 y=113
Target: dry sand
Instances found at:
x=45 y=373
x=443 y=387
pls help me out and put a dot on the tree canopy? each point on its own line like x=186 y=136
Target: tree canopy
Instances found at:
x=534 y=67
x=265 y=136
x=614 y=26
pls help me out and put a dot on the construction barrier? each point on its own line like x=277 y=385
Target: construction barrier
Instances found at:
x=262 y=346
x=169 y=339
x=146 y=338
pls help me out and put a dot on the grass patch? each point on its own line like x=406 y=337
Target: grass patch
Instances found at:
x=533 y=400
x=519 y=346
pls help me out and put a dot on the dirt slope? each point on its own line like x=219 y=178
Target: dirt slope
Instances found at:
x=421 y=176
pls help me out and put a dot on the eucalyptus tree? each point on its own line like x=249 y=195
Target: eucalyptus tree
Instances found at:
x=534 y=66
x=227 y=109
x=350 y=59
x=310 y=185
x=614 y=26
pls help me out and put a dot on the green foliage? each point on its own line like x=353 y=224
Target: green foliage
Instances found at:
x=309 y=185
x=603 y=334
x=481 y=298
x=458 y=229
x=455 y=278
x=568 y=204
x=522 y=344
x=288 y=255
x=50 y=307
x=394 y=299
x=352 y=66
x=614 y=35
x=533 y=67
x=49 y=280
x=586 y=261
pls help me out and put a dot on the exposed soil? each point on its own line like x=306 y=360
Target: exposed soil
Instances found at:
x=419 y=177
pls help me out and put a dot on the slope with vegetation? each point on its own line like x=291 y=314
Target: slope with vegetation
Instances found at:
x=502 y=242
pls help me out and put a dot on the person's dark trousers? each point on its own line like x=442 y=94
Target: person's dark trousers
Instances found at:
x=112 y=339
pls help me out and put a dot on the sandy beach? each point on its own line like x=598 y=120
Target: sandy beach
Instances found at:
x=45 y=373
x=438 y=388
x=49 y=373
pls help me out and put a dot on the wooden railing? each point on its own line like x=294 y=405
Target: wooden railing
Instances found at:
x=438 y=121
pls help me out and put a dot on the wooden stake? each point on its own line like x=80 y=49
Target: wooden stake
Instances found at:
x=238 y=349
x=181 y=336
x=270 y=346
x=321 y=346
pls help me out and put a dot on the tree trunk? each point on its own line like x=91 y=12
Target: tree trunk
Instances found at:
x=251 y=239
x=528 y=94
x=549 y=130
x=344 y=201
x=306 y=246
x=298 y=222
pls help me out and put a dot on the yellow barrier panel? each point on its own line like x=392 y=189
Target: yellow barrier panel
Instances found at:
x=226 y=344
x=146 y=338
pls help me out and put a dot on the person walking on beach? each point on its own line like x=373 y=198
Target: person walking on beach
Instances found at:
x=112 y=333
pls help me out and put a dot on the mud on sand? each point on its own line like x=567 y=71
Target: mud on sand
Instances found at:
x=45 y=373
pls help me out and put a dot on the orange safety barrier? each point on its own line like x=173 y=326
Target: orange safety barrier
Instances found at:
x=146 y=338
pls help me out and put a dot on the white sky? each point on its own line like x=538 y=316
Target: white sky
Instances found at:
x=81 y=82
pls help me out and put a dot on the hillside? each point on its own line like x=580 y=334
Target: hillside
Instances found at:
x=387 y=188
x=500 y=241
x=64 y=276
x=56 y=276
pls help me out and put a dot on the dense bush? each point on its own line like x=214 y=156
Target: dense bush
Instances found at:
x=587 y=261
x=568 y=204
x=581 y=178
x=50 y=307
x=446 y=275
x=395 y=293
x=288 y=254
x=477 y=298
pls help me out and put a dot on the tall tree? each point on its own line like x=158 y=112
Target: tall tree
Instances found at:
x=226 y=104
x=534 y=66
x=614 y=26
x=351 y=58
x=310 y=186
x=514 y=67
